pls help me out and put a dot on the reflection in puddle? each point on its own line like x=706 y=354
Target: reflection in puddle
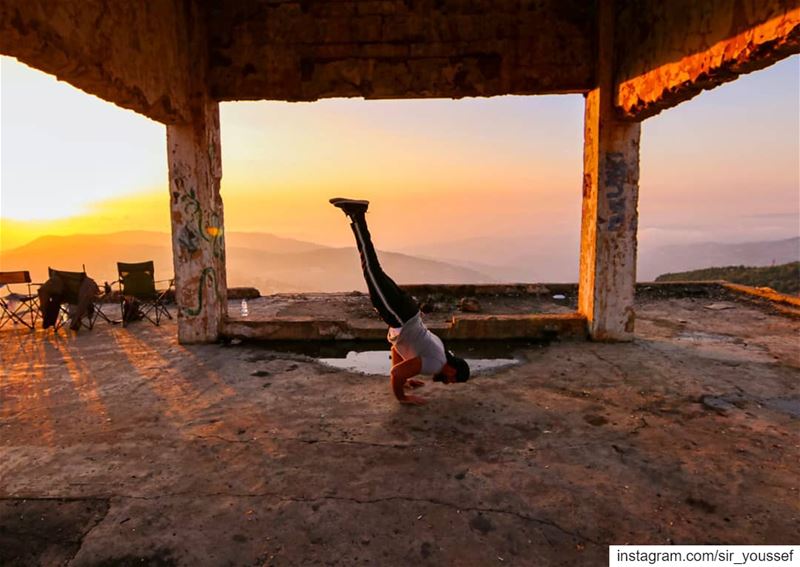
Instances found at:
x=379 y=362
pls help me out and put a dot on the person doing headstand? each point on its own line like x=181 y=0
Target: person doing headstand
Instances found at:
x=415 y=349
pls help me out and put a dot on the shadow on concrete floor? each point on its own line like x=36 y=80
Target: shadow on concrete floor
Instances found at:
x=121 y=445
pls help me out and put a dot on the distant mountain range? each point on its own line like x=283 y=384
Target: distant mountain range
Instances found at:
x=679 y=258
x=526 y=258
x=276 y=264
x=554 y=257
x=268 y=262
x=784 y=278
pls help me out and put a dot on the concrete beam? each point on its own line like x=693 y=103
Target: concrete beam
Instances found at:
x=671 y=51
x=301 y=50
x=610 y=193
x=130 y=53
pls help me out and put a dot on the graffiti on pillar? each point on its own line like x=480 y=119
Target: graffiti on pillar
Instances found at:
x=188 y=240
x=616 y=172
x=209 y=229
x=191 y=206
x=207 y=275
x=215 y=231
x=633 y=225
x=201 y=228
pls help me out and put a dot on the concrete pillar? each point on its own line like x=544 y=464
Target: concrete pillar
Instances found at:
x=610 y=196
x=198 y=237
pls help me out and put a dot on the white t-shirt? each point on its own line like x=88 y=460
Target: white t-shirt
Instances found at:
x=414 y=339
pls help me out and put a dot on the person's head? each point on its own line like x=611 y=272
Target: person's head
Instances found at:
x=454 y=370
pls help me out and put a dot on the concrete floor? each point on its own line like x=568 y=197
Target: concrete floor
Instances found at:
x=121 y=447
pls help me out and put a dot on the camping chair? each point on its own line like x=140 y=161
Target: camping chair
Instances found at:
x=139 y=298
x=71 y=297
x=15 y=307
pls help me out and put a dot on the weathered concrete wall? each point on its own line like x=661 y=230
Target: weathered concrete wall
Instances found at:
x=129 y=53
x=305 y=49
x=609 y=220
x=535 y=327
x=668 y=52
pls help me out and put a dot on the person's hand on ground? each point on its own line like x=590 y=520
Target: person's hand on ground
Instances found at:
x=413 y=383
x=402 y=373
x=414 y=401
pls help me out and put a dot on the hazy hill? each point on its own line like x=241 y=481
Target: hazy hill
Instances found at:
x=99 y=253
x=262 y=260
x=678 y=258
x=551 y=257
x=269 y=242
x=784 y=277
x=272 y=263
x=554 y=257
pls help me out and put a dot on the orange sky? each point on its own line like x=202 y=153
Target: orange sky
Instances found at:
x=716 y=167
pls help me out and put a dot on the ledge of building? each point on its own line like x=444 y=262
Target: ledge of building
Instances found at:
x=348 y=316
x=512 y=311
x=537 y=327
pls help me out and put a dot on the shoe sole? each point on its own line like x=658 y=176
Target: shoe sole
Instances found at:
x=339 y=201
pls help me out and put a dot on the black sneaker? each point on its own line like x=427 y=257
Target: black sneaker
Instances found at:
x=350 y=206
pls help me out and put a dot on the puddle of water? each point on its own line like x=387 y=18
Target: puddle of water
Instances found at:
x=366 y=362
x=728 y=402
x=379 y=362
x=700 y=336
x=373 y=358
x=785 y=405
x=717 y=403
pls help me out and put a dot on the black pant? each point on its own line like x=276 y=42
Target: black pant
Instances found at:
x=394 y=305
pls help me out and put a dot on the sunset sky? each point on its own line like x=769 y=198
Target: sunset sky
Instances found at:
x=723 y=166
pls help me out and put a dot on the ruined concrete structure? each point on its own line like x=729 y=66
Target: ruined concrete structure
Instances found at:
x=175 y=60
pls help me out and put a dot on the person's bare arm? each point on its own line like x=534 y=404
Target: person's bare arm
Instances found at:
x=397 y=358
x=400 y=374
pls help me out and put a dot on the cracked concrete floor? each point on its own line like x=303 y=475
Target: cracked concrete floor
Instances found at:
x=121 y=447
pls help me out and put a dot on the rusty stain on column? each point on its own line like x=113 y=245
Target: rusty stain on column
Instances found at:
x=198 y=237
x=610 y=196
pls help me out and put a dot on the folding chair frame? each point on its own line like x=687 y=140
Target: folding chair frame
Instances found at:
x=149 y=308
x=98 y=313
x=87 y=320
x=27 y=305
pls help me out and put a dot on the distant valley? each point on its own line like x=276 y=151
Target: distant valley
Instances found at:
x=270 y=263
x=554 y=258
x=276 y=264
x=678 y=258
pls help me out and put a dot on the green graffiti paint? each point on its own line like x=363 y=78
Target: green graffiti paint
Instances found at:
x=207 y=274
